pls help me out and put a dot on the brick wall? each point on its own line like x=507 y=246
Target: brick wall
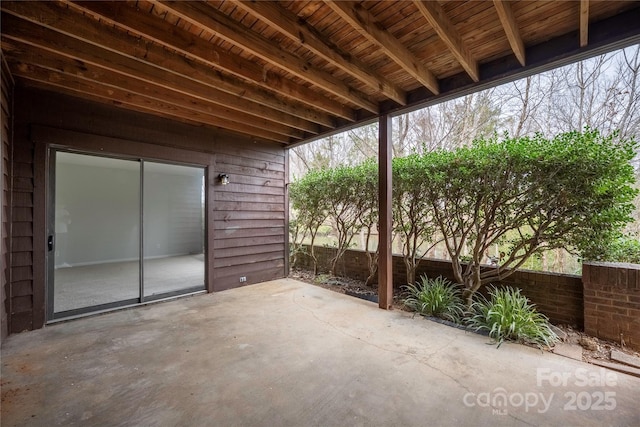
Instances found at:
x=612 y=302
x=558 y=296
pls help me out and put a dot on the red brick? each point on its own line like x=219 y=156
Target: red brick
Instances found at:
x=592 y=320
x=599 y=301
x=608 y=331
x=586 y=273
x=589 y=292
x=615 y=337
x=590 y=308
x=633 y=279
x=625 y=304
x=603 y=316
x=625 y=318
x=634 y=317
x=634 y=299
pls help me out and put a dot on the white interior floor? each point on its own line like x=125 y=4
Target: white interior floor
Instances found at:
x=90 y=285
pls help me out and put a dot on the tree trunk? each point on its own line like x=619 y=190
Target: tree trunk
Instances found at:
x=467 y=296
x=372 y=276
x=471 y=285
x=411 y=275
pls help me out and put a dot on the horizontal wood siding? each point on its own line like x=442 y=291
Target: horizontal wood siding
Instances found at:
x=251 y=234
x=246 y=219
x=5 y=215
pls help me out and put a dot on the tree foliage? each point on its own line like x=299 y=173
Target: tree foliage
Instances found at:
x=412 y=217
x=601 y=92
x=345 y=197
x=347 y=202
x=572 y=191
x=524 y=195
x=367 y=174
x=621 y=248
x=310 y=206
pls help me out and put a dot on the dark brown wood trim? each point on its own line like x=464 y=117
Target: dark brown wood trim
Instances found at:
x=385 y=260
x=40 y=186
x=6 y=200
x=89 y=117
x=209 y=217
x=109 y=146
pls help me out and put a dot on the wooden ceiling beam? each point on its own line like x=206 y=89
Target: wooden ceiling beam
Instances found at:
x=437 y=18
x=362 y=21
x=31 y=55
x=225 y=28
x=43 y=25
x=115 y=96
x=290 y=25
x=505 y=13
x=128 y=17
x=584 y=23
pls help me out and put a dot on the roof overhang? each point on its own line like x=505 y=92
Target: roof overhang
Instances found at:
x=292 y=72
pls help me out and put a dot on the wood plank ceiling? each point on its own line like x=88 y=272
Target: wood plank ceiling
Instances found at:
x=290 y=71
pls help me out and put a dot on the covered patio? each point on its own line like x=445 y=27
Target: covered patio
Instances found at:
x=286 y=353
x=227 y=87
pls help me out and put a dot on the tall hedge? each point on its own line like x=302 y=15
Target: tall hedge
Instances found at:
x=524 y=195
x=528 y=195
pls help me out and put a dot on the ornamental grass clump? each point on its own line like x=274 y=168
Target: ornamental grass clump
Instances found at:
x=435 y=297
x=509 y=316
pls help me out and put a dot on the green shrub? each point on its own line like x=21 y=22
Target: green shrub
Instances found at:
x=622 y=248
x=509 y=316
x=435 y=297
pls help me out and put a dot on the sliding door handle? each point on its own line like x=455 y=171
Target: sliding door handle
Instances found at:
x=50 y=242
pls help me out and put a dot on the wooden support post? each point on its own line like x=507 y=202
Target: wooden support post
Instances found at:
x=286 y=214
x=385 y=261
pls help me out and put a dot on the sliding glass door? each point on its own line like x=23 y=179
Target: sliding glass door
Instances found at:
x=122 y=232
x=173 y=229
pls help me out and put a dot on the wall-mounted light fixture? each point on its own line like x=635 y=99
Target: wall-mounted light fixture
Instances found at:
x=224 y=178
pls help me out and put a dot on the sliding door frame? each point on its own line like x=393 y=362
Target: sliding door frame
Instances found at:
x=50 y=140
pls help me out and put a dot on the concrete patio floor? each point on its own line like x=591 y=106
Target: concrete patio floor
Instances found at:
x=285 y=353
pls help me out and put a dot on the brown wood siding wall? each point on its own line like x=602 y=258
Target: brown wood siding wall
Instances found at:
x=5 y=175
x=249 y=216
x=246 y=219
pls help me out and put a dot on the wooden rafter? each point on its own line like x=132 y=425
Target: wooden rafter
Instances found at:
x=222 y=26
x=89 y=74
x=505 y=13
x=584 y=22
x=39 y=25
x=294 y=71
x=288 y=24
x=365 y=24
x=77 y=86
x=173 y=37
x=40 y=38
x=435 y=15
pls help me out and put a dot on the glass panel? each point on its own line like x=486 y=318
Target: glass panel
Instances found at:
x=97 y=229
x=173 y=228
